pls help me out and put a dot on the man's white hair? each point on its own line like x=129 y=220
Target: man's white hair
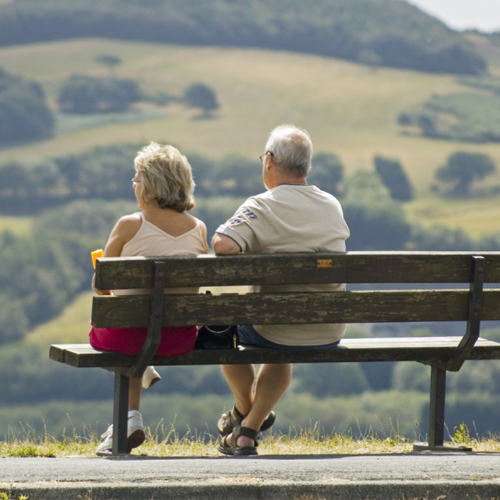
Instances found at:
x=292 y=150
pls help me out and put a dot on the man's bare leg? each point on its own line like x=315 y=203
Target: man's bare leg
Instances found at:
x=272 y=382
x=240 y=379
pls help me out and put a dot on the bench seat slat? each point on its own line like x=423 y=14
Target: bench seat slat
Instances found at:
x=295 y=308
x=351 y=267
x=350 y=350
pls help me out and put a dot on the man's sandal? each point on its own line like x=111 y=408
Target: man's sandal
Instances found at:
x=239 y=451
x=233 y=418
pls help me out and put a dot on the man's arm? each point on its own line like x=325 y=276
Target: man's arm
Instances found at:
x=224 y=245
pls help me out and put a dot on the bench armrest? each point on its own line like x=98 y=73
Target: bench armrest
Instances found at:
x=153 y=339
x=474 y=321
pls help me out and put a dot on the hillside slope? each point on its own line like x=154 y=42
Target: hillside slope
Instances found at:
x=374 y=32
x=349 y=109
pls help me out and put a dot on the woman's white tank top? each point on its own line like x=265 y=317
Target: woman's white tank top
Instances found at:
x=151 y=241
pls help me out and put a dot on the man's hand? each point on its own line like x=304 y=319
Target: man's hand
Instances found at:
x=223 y=245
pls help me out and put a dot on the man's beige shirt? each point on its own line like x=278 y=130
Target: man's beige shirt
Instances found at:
x=291 y=218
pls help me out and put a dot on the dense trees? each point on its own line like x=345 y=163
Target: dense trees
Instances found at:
x=463 y=168
x=24 y=114
x=374 y=32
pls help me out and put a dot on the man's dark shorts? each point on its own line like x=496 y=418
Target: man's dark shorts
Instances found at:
x=248 y=335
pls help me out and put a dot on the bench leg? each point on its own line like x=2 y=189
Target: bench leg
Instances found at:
x=436 y=414
x=436 y=407
x=120 y=415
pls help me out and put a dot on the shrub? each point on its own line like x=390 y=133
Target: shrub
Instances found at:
x=86 y=94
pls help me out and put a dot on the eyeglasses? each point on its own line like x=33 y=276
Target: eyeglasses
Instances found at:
x=263 y=155
x=134 y=182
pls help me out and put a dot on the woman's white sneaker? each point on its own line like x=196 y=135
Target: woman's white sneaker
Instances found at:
x=150 y=377
x=135 y=435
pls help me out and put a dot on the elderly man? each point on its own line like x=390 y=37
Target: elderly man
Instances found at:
x=290 y=216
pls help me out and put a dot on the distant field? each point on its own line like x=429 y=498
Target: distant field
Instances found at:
x=477 y=216
x=349 y=109
x=16 y=225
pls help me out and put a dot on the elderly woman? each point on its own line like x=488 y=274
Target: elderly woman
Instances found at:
x=163 y=186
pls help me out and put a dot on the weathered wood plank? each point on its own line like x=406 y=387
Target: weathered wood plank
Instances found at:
x=295 y=308
x=350 y=350
x=350 y=267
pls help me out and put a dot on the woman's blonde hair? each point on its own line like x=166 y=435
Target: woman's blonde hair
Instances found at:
x=166 y=177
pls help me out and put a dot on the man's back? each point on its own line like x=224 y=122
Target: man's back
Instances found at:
x=289 y=218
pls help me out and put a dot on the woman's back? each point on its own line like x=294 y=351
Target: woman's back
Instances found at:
x=167 y=233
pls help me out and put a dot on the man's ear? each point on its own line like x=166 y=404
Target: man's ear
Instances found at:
x=269 y=164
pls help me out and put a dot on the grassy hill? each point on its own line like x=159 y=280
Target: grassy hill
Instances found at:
x=377 y=32
x=349 y=109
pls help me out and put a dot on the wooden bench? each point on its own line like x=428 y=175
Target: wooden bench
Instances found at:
x=464 y=301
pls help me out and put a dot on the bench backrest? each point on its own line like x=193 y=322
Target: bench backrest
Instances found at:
x=157 y=309
x=340 y=307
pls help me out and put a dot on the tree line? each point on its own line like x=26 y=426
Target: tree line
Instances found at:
x=372 y=32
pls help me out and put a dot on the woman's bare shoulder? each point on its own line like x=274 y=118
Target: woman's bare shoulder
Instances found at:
x=129 y=224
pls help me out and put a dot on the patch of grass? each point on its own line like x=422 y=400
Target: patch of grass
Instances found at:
x=171 y=444
x=33 y=445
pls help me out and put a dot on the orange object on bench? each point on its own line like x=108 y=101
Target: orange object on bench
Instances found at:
x=96 y=254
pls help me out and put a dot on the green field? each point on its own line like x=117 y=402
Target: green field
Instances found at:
x=349 y=110
x=72 y=326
